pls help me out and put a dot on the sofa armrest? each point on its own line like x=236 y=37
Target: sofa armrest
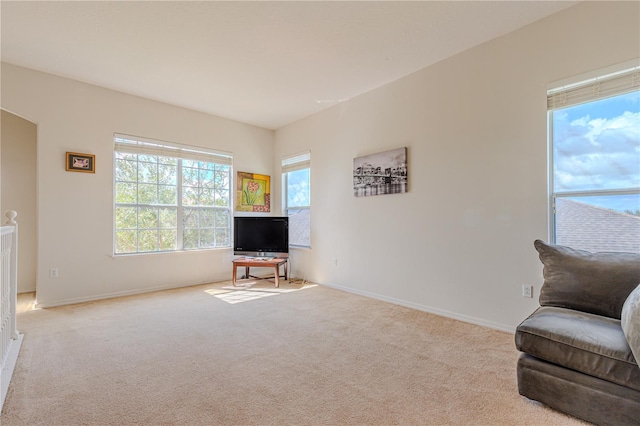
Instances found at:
x=630 y=322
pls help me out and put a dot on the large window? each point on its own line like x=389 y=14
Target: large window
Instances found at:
x=296 y=183
x=595 y=162
x=170 y=197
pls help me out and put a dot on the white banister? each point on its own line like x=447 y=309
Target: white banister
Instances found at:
x=11 y=340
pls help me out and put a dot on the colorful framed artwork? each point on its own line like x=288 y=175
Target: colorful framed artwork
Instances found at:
x=381 y=173
x=253 y=193
x=77 y=162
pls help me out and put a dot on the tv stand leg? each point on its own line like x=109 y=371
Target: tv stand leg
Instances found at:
x=234 y=275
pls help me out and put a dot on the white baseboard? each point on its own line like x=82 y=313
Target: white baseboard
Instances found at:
x=132 y=292
x=9 y=366
x=424 y=308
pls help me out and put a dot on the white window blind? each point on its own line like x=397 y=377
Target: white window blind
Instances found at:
x=592 y=89
x=136 y=145
x=296 y=162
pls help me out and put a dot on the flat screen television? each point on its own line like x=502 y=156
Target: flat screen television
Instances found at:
x=261 y=236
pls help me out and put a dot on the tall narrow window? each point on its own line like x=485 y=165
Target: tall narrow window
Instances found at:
x=595 y=162
x=169 y=197
x=296 y=183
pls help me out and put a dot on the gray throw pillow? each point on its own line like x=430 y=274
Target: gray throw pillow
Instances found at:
x=597 y=283
x=630 y=322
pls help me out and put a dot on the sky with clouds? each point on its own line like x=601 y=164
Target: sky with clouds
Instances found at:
x=596 y=146
x=298 y=190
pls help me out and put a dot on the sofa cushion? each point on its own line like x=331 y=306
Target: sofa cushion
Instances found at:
x=592 y=344
x=630 y=322
x=598 y=283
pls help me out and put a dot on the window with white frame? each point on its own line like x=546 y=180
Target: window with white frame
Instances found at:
x=296 y=184
x=594 y=127
x=169 y=197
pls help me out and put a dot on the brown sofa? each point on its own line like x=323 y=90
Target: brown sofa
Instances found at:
x=580 y=347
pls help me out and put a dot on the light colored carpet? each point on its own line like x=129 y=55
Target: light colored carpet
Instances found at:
x=298 y=355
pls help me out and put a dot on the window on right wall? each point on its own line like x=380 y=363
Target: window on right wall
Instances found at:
x=594 y=137
x=296 y=189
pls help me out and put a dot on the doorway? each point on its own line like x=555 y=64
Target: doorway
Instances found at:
x=18 y=177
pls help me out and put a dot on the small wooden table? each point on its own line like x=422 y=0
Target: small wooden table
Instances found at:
x=249 y=262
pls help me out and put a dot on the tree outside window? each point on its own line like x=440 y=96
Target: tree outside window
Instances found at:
x=166 y=203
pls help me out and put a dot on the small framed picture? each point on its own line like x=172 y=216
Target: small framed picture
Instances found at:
x=77 y=162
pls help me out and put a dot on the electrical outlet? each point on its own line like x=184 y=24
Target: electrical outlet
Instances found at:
x=335 y=261
x=53 y=273
x=527 y=291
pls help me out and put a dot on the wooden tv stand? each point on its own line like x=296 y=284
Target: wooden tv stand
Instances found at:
x=249 y=262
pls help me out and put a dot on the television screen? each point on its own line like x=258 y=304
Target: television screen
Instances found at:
x=261 y=236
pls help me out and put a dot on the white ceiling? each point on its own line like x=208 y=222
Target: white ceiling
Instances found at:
x=264 y=63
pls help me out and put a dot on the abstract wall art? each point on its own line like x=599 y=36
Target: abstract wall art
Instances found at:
x=253 y=193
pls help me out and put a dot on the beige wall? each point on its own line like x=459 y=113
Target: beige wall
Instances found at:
x=75 y=210
x=18 y=148
x=460 y=242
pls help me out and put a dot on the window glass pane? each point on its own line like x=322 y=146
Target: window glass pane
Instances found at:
x=148 y=218
x=222 y=219
x=189 y=176
x=148 y=172
x=222 y=198
x=147 y=193
x=207 y=218
x=586 y=223
x=167 y=174
x=126 y=241
x=126 y=218
x=190 y=218
x=148 y=240
x=207 y=238
x=190 y=239
x=126 y=170
x=126 y=156
x=299 y=227
x=596 y=174
x=205 y=177
x=298 y=188
x=207 y=197
x=625 y=203
x=206 y=166
x=148 y=158
x=168 y=218
x=596 y=145
x=168 y=239
x=167 y=195
x=168 y=161
x=126 y=193
x=189 y=196
x=222 y=237
x=147 y=205
x=221 y=179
